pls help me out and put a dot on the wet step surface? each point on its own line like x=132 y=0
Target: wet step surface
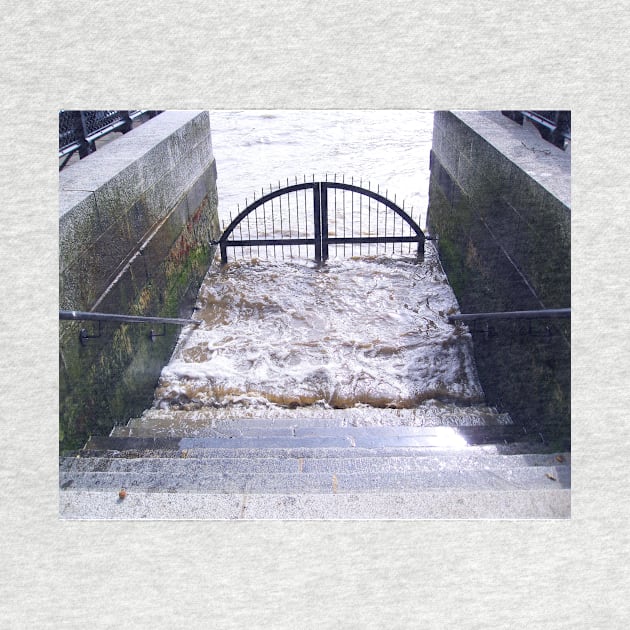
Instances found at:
x=431 y=413
x=248 y=436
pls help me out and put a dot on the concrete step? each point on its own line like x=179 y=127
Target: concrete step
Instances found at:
x=181 y=427
x=167 y=423
x=459 y=460
x=317 y=437
x=247 y=428
x=186 y=479
x=548 y=503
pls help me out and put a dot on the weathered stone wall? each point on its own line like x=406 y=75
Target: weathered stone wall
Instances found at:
x=499 y=204
x=135 y=225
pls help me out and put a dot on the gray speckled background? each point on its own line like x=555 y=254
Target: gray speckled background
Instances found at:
x=272 y=54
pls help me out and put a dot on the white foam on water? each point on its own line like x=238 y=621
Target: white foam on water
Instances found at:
x=347 y=333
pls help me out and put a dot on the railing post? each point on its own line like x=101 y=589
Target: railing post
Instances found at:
x=126 y=117
x=420 y=255
x=85 y=147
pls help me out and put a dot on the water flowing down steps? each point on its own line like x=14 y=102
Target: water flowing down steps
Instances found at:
x=310 y=392
x=312 y=468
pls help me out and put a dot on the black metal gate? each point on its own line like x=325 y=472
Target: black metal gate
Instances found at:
x=319 y=216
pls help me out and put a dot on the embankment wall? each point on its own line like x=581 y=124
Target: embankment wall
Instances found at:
x=500 y=207
x=136 y=221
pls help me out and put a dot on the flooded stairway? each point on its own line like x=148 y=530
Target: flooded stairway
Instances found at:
x=315 y=469
x=315 y=392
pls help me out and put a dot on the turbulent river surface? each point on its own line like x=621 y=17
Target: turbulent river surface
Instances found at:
x=289 y=335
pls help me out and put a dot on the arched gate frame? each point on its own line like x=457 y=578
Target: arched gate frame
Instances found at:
x=320 y=237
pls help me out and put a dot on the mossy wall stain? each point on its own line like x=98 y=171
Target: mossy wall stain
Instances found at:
x=524 y=366
x=112 y=377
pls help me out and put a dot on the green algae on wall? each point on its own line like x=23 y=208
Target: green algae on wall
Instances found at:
x=139 y=243
x=504 y=242
x=112 y=377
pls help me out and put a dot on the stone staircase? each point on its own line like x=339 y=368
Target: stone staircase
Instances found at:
x=315 y=464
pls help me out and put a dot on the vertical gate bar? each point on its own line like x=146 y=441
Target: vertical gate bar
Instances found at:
x=257 y=233
x=281 y=220
x=369 y=214
x=240 y=231
x=378 y=190
x=298 y=216
x=394 y=227
x=306 y=214
x=385 y=223
x=289 y=218
x=344 y=234
x=360 y=217
x=402 y=227
x=249 y=232
x=230 y=223
x=316 y=222
x=273 y=222
x=264 y=218
x=335 y=222
x=343 y=197
x=324 y=218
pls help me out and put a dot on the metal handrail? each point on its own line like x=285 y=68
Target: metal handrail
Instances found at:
x=130 y=319
x=550 y=313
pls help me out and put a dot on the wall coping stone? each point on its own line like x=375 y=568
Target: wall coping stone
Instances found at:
x=545 y=163
x=81 y=179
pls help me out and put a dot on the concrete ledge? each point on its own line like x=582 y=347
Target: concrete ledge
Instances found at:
x=520 y=151
x=111 y=201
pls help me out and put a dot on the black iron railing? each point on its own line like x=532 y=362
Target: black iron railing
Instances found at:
x=78 y=130
x=553 y=125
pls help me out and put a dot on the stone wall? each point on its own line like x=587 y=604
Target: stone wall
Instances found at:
x=499 y=205
x=135 y=225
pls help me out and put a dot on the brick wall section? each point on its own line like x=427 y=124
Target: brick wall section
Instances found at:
x=499 y=203
x=135 y=225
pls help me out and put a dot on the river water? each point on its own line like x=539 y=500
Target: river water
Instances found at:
x=358 y=332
